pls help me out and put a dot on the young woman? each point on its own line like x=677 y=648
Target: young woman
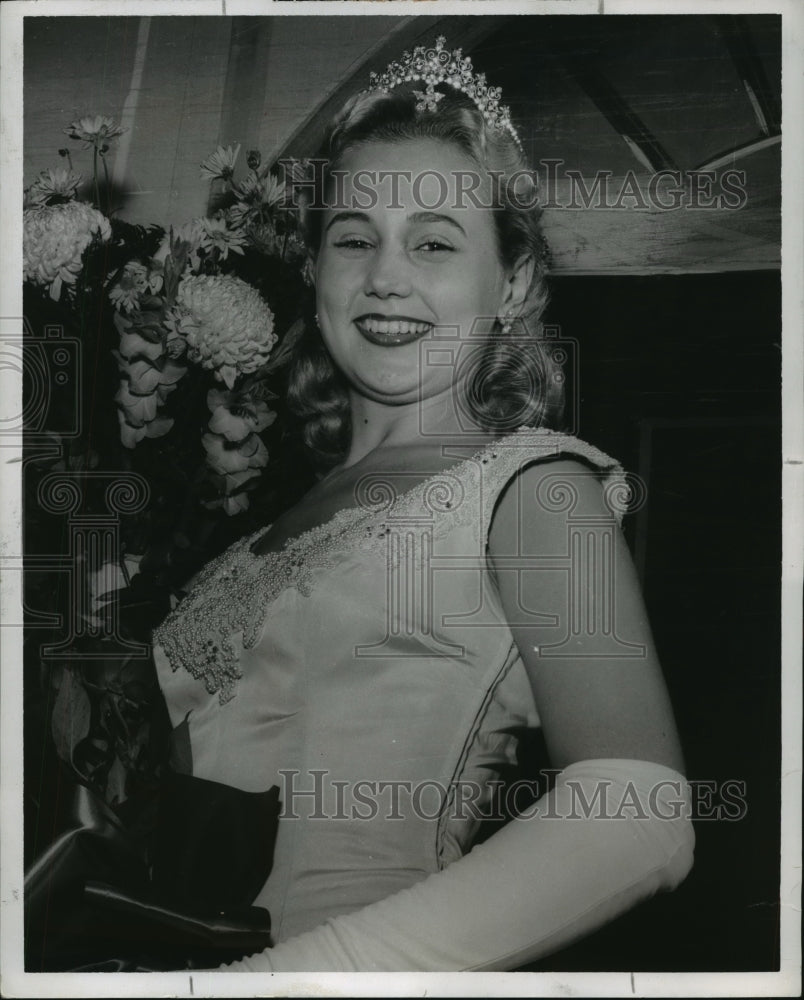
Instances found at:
x=456 y=575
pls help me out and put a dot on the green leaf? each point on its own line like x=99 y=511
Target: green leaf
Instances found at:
x=71 y=715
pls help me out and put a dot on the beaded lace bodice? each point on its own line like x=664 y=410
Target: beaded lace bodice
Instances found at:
x=234 y=593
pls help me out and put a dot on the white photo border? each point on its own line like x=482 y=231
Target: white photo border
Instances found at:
x=786 y=982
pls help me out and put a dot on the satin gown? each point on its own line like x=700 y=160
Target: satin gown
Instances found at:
x=367 y=669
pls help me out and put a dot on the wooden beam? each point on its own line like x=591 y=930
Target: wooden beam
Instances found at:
x=627 y=238
x=736 y=33
x=661 y=243
x=618 y=113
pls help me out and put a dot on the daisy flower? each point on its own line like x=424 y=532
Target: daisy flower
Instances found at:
x=93 y=130
x=221 y=163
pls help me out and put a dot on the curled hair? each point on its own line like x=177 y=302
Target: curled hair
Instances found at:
x=515 y=380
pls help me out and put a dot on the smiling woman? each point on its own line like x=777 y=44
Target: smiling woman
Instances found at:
x=431 y=204
x=391 y=266
x=455 y=577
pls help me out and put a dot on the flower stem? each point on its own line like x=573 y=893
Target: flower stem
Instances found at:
x=108 y=189
x=95 y=176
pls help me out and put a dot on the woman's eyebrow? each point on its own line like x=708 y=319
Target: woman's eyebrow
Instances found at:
x=436 y=217
x=416 y=218
x=347 y=217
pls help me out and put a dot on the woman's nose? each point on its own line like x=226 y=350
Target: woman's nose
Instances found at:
x=388 y=273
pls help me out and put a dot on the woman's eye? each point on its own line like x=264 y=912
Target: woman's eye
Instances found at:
x=434 y=246
x=353 y=243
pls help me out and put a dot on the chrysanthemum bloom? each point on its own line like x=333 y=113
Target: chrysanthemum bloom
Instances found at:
x=54 y=240
x=60 y=183
x=221 y=163
x=93 y=129
x=227 y=325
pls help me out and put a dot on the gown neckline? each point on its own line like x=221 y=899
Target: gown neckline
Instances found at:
x=347 y=514
x=235 y=592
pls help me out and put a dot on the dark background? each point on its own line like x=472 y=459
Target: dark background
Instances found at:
x=679 y=377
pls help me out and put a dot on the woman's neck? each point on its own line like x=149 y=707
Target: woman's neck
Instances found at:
x=432 y=420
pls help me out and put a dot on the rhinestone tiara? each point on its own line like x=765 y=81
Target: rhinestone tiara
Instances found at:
x=437 y=65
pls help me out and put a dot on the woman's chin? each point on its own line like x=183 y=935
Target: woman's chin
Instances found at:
x=391 y=391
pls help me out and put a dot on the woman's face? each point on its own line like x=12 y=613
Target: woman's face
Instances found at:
x=408 y=275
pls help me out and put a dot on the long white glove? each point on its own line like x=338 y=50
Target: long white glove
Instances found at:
x=540 y=883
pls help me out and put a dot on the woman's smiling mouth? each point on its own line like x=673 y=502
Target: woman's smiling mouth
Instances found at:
x=391 y=331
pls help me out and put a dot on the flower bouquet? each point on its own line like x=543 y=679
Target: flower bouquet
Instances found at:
x=166 y=434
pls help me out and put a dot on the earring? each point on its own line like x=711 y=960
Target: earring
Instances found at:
x=317 y=322
x=507 y=321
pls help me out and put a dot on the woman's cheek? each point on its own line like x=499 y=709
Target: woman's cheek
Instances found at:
x=338 y=277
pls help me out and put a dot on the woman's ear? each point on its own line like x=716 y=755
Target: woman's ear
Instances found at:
x=517 y=285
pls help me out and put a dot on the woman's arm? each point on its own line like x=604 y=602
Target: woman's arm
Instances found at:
x=596 y=679
x=542 y=882
x=613 y=831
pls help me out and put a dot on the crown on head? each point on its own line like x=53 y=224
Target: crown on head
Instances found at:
x=436 y=65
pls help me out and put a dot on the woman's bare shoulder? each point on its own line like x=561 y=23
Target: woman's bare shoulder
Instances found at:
x=538 y=500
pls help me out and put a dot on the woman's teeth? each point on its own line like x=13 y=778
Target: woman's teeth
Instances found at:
x=395 y=327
